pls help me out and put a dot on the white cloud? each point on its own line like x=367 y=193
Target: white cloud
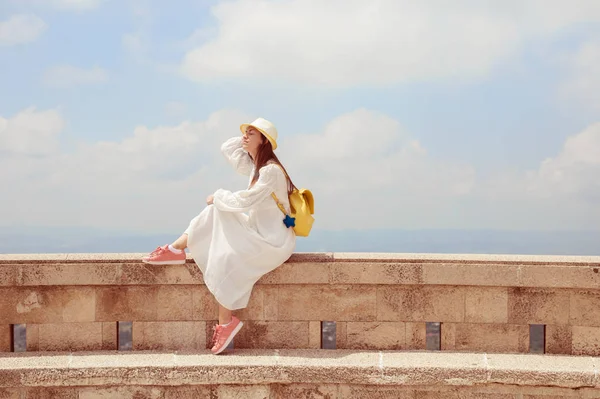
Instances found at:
x=64 y=76
x=22 y=28
x=583 y=83
x=355 y=42
x=30 y=132
x=175 y=109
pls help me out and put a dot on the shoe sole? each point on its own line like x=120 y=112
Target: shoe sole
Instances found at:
x=164 y=262
x=233 y=333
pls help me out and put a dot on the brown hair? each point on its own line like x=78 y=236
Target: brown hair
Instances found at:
x=264 y=155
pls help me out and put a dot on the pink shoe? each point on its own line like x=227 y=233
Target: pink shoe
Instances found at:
x=164 y=256
x=223 y=335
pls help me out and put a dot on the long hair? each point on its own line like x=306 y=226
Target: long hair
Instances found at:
x=264 y=154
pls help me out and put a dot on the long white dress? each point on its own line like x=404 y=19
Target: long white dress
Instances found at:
x=241 y=237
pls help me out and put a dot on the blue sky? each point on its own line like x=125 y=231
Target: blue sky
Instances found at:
x=402 y=114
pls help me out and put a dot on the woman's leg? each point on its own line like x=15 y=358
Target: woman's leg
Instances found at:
x=224 y=315
x=181 y=242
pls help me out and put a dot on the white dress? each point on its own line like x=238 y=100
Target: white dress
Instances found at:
x=241 y=237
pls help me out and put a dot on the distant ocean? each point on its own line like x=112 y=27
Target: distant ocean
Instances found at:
x=69 y=240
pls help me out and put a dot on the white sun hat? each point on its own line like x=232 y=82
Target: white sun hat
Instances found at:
x=265 y=127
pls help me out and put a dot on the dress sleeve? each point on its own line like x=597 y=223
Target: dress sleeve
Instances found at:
x=237 y=156
x=243 y=200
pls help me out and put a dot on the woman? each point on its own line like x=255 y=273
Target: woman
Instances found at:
x=240 y=236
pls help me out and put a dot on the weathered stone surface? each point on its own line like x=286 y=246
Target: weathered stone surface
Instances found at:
x=5 y=337
x=127 y=303
x=420 y=303
x=141 y=273
x=47 y=304
x=559 y=339
x=454 y=273
x=327 y=303
x=586 y=341
x=109 y=336
x=243 y=392
x=33 y=337
x=584 y=308
x=416 y=336
x=9 y=275
x=305 y=391
x=375 y=273
x=314 y=335
x=273 y=335
x=448 y=336
x=196 y=392
x=584 y=276
x=298 y=273
x=10 y=393
x=492 y=338
x=122 y=393
x=174 y=335
x=174 y=303
x=205 y=307
x=538 y=306
x=70 y=337
x=51 y=393
x=376 y=335
x=70 y=274
x=486 y=305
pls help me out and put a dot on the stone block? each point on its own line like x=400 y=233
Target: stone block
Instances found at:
x=301 y=391
x=109 y=336
x=205 y=307
x=143 y=274
x=270 y=302
x=538 y=306
x=375 y=273
x=492 y=338
x=175 y=303
x=585 y=308
x=47 y=304
x=5 y=337
x=341 y=334
x=9 y=275
x=376 y=335
x=122 y=393
x=33 y=337
x=327 y=303
x=70 y=274
x=559 y=339
x=172 y=335
x=195 y=392
x=486 y=305
x=273 y=335
x=448 y=336
x=416 y=336
x=419 y=303
x=298 y=273
x=10 y=393
x=70 y=337
x=586 y=341
x=243 y=391
x=374 y=392
x=499 y=275
x=127 y=303
x=314 y=335
x=50 y=393
x=554 y=276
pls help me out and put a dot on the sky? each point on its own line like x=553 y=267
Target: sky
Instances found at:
x=396 y=114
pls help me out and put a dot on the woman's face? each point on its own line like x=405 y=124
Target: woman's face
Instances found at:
x=251 y=140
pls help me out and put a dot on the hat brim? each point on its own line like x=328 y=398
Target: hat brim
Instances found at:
x=245 y=126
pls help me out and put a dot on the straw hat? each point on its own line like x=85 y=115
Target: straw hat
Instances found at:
x=265 y=127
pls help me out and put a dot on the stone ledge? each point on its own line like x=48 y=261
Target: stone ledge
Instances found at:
x=84 y=369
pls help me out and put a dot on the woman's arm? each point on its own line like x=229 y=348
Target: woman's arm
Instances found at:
x=237 y=156
x=243 y=200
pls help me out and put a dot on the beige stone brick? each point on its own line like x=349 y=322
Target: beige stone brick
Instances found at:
x=298 y=273
x=33 y=337
x=341 y=334
x=143 y=274
x=586 y=341
x=461 y=393
x=486 y=305
x=122 y=393
x=243 y=391
x=126 y=303
x=255 y=308
x=375 y=273
x=301 y=391
x=271 y=302
x=448 y=336
x=205 y=307
x=375 y=392
x=538 y=306
x=70 y=337
x=554 y=276
x=5 y=337
x=416 y=336
x=174 y=303
x=195 y=392
x=25 y=305
x=376 y=335
x=70 y=274
x=273 y=335
x=559 y=339
x=585 y=308
x=314 y=335
x=500 y=275
x=10 y=393
x=169 y=335
x=109 y=335
x=50 y=393
x=327 y=303
x=493 y=338
x=9 y=275
x=418 y=303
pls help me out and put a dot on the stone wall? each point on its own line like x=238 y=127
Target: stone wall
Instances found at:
x=76 y=302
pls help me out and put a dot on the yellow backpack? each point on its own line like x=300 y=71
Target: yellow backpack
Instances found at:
x=302 y=206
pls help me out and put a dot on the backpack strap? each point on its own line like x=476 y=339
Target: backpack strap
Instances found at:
x=278 y=203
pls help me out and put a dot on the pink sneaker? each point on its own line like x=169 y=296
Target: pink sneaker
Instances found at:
x=164 y=256
x=223 y=335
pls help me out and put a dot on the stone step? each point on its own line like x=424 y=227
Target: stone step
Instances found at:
x=289 y=373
